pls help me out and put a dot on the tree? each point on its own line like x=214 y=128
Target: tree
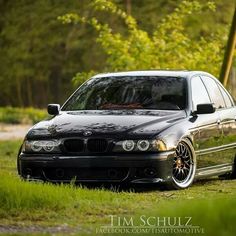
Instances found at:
x=38 y=55
x=168 y=47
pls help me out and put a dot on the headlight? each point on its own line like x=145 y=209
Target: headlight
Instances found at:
x=139 y=146
x=143 y=145
x=128 y=145
x=41 y=146
x=159 y=145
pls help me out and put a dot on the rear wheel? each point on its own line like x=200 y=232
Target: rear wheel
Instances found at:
x=233 y=175
x=184 y=165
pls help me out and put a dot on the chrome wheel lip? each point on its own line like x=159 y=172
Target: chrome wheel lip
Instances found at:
x=184 y=153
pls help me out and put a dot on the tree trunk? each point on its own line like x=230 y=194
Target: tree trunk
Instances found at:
x=229 y=52
x=128 y=6
x=29 y=93
x=19 y=93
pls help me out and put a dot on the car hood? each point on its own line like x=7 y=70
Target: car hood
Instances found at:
x=127 y=123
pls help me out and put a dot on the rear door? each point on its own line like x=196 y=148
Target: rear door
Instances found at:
x=224 y=152
x=227 y=117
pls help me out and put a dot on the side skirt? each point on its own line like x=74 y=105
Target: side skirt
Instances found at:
x=213 y=171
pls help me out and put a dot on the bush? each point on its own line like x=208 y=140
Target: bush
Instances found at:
x=12 y=115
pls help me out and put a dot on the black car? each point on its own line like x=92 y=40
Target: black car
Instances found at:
x=166 y=127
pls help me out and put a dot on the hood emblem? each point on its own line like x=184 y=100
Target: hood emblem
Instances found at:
x=87 y=133
x=52 y=129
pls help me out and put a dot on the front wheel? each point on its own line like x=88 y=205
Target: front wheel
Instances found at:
x=184 y=165
x=18 y=161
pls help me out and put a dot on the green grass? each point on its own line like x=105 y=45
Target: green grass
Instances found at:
x=210 y=203
x=14 y=115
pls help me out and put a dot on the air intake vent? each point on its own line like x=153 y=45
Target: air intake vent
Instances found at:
x=74 y=145
x=97 y=145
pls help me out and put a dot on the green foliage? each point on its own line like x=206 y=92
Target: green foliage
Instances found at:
x=17 y=195
x=81 y=77
x=39 y=55
x=168 y=47
x=13 y=115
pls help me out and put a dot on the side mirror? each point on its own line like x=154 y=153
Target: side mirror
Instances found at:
x=53 y=109
x=206 y=108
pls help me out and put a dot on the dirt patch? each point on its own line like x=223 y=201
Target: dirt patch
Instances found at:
x=63 y=229
x=9 y=132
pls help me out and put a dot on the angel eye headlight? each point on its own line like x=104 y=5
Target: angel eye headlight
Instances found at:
x=36 y=146
x=128 y=145
x=143 y=145
x=139 y=145
x=41 y=146
x=49 y=146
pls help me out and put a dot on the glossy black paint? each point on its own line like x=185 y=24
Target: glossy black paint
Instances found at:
x=112 y=123
x=212 y=135
x=207 y=108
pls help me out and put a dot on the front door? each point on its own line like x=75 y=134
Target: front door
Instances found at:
x=208 y=132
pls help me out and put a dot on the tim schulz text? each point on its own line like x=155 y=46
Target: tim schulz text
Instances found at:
x=150 y=224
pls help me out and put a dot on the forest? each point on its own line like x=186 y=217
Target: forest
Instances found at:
x=49 y=47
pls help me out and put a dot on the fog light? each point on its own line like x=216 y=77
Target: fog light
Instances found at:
x=128 y=145
x=143 y=145
x=112 y=173
x=149 y=172
x=60 y=173
x=28 y=171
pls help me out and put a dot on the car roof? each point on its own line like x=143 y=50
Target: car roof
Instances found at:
x=174 y=73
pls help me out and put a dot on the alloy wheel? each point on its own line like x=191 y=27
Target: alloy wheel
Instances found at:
x=183 y=165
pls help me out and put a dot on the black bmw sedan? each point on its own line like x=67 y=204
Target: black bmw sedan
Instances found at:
x=169 y=127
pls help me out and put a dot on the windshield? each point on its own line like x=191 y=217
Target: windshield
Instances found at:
x=129 y=92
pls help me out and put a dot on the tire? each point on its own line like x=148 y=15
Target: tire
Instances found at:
x=233 y=175
x=184 y=166
x=18 y=164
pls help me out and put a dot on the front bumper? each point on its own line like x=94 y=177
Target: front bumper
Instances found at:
x=134 y=168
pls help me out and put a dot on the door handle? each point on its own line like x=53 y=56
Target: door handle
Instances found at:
x=218 y=122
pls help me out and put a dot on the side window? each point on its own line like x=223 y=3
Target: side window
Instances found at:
x=228 y=102
x=199 y=93
x=214 y=92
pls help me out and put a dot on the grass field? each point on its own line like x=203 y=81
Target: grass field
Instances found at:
x=15 y=115
x=36 y=208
